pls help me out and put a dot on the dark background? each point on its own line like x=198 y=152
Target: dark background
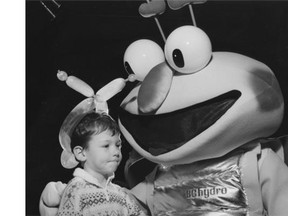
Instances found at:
x=88 y=39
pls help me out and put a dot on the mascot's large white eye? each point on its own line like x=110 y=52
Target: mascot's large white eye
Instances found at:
x=188 y=49
x=141 y=56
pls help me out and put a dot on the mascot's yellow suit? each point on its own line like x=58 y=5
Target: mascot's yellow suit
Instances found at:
x=202 y=117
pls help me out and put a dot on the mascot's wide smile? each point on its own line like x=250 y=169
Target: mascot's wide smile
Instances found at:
x=197 y=104
x=185 y=123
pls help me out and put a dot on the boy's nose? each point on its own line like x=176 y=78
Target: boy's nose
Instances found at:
x=116 y=151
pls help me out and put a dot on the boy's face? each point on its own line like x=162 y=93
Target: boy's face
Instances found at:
x=103 y=154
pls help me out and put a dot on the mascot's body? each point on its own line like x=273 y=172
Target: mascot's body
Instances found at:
x=205 y=133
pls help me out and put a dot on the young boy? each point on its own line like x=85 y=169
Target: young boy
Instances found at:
x=95 y=143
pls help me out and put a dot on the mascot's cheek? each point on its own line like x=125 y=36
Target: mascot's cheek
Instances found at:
x=270 y=99
x=267 y=90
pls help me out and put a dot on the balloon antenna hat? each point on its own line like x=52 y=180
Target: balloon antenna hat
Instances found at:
x=93 y=103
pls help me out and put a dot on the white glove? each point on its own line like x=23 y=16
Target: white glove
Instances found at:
x=50 y=198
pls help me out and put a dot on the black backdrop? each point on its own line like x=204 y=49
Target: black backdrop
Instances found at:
x=88 y=39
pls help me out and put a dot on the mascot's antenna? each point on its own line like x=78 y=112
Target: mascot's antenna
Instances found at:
x=192 y=15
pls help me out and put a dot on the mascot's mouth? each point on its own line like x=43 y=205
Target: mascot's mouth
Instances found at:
x=159 y=134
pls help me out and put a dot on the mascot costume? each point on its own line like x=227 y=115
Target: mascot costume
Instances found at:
x=201 y=117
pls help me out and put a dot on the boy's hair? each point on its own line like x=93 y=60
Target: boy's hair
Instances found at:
x=92 y=124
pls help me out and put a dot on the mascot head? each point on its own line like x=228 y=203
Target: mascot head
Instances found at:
x=192 y=104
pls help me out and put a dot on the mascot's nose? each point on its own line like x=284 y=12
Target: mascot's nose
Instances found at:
x=155 y=88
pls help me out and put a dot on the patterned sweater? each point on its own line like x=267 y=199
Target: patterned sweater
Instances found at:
x=84 y=196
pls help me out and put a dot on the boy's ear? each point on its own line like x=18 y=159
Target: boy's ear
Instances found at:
x=79 y=153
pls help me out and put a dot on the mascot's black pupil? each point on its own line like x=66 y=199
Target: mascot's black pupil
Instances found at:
x=178 y=58
x=128 y=68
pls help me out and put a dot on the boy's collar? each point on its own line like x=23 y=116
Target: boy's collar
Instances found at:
x=89 y=178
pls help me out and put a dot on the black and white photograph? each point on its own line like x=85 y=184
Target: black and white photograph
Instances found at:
x=156 y=107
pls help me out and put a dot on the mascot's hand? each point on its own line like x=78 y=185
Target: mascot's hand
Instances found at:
x=50 y=198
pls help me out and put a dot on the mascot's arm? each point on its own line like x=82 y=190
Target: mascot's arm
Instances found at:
x=50 y=198
x=140 y=191
x=274 y=183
